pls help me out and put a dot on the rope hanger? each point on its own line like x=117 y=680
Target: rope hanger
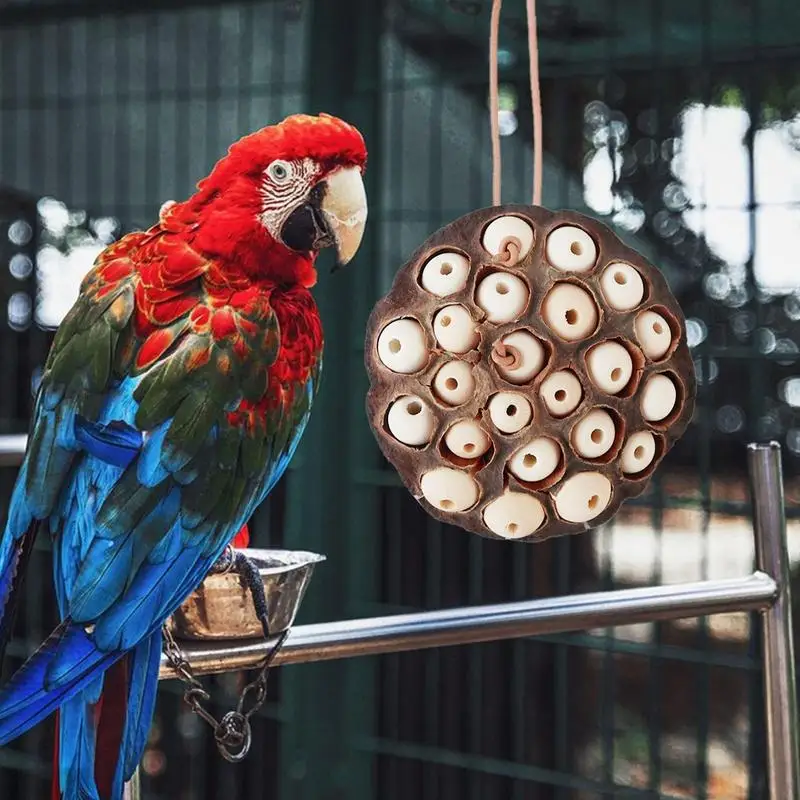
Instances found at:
x=536 y=100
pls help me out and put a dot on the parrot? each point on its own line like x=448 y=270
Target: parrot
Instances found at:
x=172 y=399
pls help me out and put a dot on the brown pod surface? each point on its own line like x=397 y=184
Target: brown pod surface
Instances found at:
x=617 y=309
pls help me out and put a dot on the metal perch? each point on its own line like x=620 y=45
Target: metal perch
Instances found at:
x=766 y=590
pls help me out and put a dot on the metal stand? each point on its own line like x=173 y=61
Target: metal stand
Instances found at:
x=766 y=590
x=772 y=558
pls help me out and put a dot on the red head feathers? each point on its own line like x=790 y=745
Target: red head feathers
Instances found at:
x=278 y=197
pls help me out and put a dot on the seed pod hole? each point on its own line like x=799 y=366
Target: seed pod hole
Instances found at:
x=661 y=399
x=571 y=249
x=502 y=296
x=657 y=333
x=598 y=435
x=622 y=286
x=561 y=392
x=519 y=356
x=570 y=312
x=454 y=383
x=582 y=497
x=466 y=440
x=614 y=367
x=410 y=421
x=402 y=346
x=509 y=239
x=455 y=330
x=640 y=454
x=445 y=273
x=538 y=463
x=514 y=515
x=510 y=411
x=449 y=489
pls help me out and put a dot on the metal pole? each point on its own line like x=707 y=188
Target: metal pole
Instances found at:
x=363 y=637
x=133 y=788
x=12 y=449
x=780 y=691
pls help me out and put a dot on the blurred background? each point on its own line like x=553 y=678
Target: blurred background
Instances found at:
x=676 y=123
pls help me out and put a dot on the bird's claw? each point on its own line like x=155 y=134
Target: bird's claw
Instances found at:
x=236 y=561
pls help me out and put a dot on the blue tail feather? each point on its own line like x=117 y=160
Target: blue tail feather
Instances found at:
x=66 y=662
x=145 y=659
x=77 y=748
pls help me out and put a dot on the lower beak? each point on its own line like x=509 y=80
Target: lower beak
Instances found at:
x=344 y=208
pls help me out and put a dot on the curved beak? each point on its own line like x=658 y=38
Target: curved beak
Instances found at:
x=344 y=209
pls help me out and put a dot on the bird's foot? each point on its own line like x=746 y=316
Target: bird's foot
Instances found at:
x=236 y=561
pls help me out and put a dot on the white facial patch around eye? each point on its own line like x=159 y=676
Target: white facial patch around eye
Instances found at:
x=280 y=198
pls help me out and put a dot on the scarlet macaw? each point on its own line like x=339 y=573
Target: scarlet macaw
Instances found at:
x=174 y=396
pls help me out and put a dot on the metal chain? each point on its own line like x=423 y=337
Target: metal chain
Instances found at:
x=232 y=733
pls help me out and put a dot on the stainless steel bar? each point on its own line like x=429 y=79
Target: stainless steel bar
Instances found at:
x=780 y=689
x=12 y=449
x=133 y=788
x=363 y=637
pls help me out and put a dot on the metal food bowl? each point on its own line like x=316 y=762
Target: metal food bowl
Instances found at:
x=222 y=606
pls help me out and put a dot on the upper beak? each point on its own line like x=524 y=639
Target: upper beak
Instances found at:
x=344 y=207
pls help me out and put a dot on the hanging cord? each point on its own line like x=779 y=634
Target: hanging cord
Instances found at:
x=536 y=100
x=494 y=100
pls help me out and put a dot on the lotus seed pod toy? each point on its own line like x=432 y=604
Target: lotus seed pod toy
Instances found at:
x=528 y=370
x=558 y=384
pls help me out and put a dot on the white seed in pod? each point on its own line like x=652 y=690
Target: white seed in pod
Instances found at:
x=535 y=461
x=519 y=356
x=653 y=333
x=454 y=383
x=570 y=311
x=466 y=439
x=449 y=489
x=508 y=229
x=402 y=347
x=510 y=412
x=622 y=286
x=593 y=435
x=582 y=497
x=445 y=274
x=562 y=392
x=502 y=297
x=514 y=515
x=609 y=366
x=410 y=420
x=658 y=398
x=638 y=452
x=571 y=249
x=455 y=329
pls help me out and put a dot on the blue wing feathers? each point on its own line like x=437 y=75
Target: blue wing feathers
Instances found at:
x=114 y=443
x=20 y=514
x=149 y=468
x=15 y=555
x=150 y=598
x=110 y=563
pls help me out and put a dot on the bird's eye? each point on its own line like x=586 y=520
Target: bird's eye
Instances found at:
x=279 y=170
